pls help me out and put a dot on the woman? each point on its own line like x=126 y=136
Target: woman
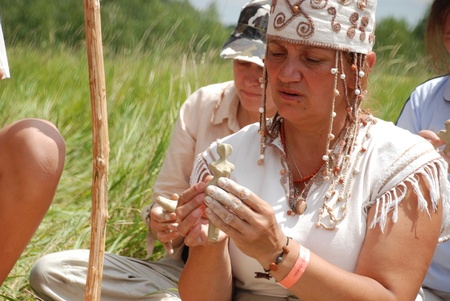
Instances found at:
x=425 y=113
x=211 y=112
x=333 y=204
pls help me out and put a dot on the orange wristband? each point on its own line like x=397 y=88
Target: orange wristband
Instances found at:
x=298 y=268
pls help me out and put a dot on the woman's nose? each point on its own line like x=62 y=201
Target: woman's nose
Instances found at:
x=290 y=71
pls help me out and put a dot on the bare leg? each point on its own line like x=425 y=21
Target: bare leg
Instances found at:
x=32 y=154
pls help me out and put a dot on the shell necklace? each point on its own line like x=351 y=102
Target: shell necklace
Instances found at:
x=301 y=200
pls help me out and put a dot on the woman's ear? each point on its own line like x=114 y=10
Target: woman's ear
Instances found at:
x=371 y=58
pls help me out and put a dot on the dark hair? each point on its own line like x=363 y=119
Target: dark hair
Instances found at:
x=434 y=35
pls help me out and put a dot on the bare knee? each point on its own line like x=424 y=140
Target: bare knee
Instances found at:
x=33 y=144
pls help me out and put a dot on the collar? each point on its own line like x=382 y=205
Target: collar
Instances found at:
x=226 y=108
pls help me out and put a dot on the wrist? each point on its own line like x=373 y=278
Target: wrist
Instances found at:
x=272 y=266
x=298 y=268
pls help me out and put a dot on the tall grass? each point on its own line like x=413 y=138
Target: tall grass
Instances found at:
x=144 y=93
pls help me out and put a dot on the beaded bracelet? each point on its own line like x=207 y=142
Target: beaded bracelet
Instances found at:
x=274 y=265
x=298 y=269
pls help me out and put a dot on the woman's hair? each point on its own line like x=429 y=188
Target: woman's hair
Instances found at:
x=434 y=35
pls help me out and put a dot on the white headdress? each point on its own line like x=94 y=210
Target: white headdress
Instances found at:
x=347 y=25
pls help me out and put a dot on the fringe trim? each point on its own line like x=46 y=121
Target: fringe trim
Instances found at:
x=201 y=167
x=436 y=180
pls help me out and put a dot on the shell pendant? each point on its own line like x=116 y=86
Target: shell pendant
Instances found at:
x=300 y=205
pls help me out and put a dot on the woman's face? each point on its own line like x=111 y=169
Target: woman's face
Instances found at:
x=248 y=86
x=301 y=82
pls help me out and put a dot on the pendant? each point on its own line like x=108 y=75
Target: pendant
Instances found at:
x=301 y=205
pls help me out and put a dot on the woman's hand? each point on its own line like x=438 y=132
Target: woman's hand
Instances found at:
x=192 y=220
x=436 y=142
x=245 y=218
x=164 y=225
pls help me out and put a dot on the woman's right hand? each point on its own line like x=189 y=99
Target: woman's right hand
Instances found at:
x=436 y=142
x=192 y=220
x=164 y=226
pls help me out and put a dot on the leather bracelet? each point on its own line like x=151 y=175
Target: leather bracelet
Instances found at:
x=298 y=269
x=273 y=266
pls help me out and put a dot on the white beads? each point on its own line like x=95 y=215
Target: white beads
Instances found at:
x=334 y=114
x=334 y=70
x=361 y=73
x=261 y=157
x=261 y=110
x=342 y=76
x=336 y=92
x=325 y=158
x=357 y=92
x=331 y=136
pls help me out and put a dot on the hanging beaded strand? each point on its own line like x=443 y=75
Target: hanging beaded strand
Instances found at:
x=262 y=115
x=330 y=137
x=344 y=170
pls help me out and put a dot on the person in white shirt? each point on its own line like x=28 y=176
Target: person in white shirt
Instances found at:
x=325 y=201
x=425 y=113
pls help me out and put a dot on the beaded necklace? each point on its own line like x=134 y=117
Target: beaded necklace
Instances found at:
x=286 y=150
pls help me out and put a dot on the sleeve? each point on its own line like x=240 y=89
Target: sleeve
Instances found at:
x=176 y=168
x=409 y=118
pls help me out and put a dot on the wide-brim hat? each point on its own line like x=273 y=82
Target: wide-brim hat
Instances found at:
x=248 y=40
x=3 y=58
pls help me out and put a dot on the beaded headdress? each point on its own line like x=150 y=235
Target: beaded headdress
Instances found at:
x=346 y=26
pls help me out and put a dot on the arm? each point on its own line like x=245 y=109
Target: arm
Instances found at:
x=173 y=178
x=207 y=273
x=384 y=268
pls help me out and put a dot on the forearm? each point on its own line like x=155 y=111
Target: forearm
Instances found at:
x=324 y=281
x=207 y=274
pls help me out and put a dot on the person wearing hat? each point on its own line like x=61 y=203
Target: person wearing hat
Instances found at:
x=325 y=201
x=32 y=154
x=211 y=112
x=425 y=113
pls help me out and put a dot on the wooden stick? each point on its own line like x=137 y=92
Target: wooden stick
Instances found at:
x=100 y=147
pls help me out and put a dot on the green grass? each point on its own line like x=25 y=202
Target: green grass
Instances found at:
x=144 y=93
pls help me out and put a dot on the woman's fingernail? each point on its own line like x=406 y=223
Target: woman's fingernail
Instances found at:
x=222 y=182
x=208 y=200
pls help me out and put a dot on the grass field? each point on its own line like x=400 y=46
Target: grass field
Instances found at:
x=144 y=93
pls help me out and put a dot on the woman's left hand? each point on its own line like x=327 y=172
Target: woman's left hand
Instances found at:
x=245 y=218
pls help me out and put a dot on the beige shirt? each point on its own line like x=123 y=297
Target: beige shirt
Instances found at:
x=208 y=114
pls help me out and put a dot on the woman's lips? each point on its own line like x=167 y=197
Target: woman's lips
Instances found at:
x=289 y=94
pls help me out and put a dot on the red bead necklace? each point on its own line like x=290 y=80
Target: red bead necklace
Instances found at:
x=286 y=150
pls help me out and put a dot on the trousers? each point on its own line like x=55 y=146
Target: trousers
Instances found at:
x=62 y=277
